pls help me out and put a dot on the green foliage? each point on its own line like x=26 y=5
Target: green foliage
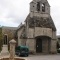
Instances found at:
x=0 y=37
x=58 y=50
x=58 y=45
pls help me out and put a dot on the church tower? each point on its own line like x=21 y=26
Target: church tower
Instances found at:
x=39 y=8
x=39 y=15
x=40 y=31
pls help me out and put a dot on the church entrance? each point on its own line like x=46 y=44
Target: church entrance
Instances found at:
x=43 y=44
x=38 y=45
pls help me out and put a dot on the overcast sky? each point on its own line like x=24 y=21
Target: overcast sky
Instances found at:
x=13 y=12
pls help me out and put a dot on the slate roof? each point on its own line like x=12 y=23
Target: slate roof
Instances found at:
x=41 y=22
x=11 y=28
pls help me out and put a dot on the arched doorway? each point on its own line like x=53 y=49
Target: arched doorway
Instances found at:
x=43 y=44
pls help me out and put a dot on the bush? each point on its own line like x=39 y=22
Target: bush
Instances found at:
x=58 y=50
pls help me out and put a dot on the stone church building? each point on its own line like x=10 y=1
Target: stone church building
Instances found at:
x=38 y=32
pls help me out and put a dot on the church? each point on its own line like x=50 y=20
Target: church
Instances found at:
x=38 y=32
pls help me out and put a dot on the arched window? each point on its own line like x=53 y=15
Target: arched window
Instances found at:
x=5 y=39
x=38 y=6
x=43 y=7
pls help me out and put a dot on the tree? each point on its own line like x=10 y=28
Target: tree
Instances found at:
x=58 y=45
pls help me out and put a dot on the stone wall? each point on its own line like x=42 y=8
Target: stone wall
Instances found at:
x=45 y=45
x=39 y=23
x=39 y=15
x=19 y=35
x=43 y=31
x=38 y=31
x=33 y=9
x=30 y=33
x=53 y=46
x=10 y=31
x=54 y=35
x=22 y=42
x=32 y=45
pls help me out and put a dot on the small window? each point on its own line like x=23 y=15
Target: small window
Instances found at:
x=38 y=6
x=43 y=7
x=33 y=6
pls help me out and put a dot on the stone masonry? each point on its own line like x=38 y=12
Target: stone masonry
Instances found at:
x=39 y=31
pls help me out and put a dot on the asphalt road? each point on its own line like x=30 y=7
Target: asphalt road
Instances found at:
x=43 y=57
x=40 y=57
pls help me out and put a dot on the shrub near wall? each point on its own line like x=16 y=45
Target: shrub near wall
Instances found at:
x=0 y=38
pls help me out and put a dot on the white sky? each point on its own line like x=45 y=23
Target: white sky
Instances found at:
x=13 y=12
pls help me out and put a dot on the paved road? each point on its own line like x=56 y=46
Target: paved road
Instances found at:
x=43 y=57
x=40 y=57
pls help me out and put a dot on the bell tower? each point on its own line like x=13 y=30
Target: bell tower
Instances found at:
x=39 y=8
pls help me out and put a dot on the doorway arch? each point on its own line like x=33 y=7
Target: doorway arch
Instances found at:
x=43 y=44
